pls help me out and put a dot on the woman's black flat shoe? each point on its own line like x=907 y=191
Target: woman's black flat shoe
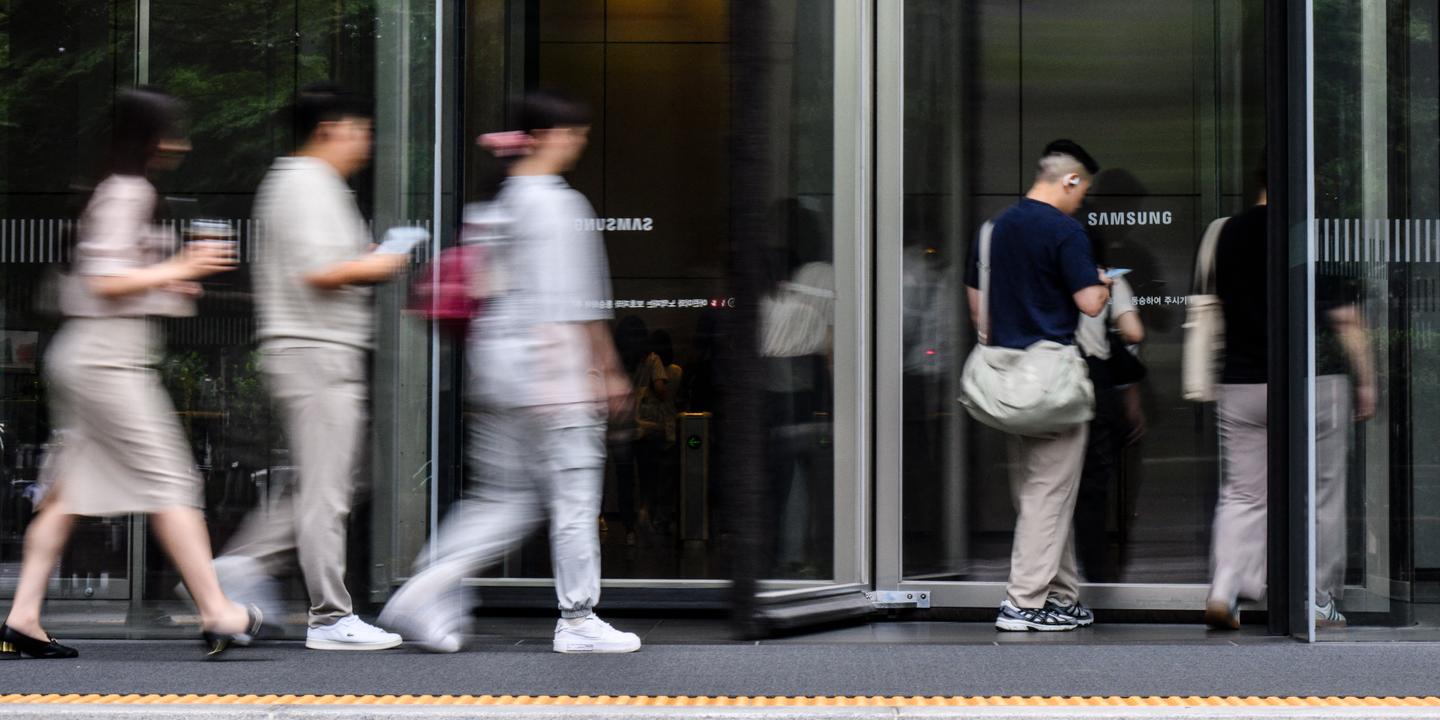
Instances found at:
x=20 y=645
x=219 y=643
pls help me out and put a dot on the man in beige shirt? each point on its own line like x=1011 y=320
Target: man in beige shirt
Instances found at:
x=312 y=287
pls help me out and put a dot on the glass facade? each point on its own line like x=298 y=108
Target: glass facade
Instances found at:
x=893 y=131
x=235 y=65
x=1172 y=107
x=658 y=172
x=1369 y=245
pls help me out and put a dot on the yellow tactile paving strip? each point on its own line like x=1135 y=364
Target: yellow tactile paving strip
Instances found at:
x=754 y=702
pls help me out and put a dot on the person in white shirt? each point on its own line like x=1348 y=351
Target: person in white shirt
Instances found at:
x=543 y=373
x=312 y=289
x=1117 y=423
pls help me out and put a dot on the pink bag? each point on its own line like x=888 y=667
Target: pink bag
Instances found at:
x=447 y=290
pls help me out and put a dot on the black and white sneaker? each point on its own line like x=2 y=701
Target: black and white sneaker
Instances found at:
x=1077 y=612
x=1044 y=619
x=1327 y=615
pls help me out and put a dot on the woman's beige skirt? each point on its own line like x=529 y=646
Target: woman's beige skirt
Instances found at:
x=121 y=449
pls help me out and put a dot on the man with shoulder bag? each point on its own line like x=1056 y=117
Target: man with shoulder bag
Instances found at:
x=1030 y=276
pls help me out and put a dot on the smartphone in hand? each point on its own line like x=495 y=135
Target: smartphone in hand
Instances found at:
x=402 y=240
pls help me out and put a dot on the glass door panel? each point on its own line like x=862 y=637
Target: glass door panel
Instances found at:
x=237 y=64
x=1371 y=252
x=658 y=172
x=1168 y=97
x=59 y=60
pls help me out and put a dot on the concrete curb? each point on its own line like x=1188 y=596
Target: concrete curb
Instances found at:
x=516 y=712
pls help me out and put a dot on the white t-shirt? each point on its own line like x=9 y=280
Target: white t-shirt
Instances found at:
x=308 y=222
x=530 y=347
x=1092 y=332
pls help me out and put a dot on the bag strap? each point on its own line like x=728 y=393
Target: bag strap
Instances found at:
x=1204 y=283
x=986 y=231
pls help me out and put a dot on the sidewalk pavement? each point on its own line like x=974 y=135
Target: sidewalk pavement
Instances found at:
x=894 y=667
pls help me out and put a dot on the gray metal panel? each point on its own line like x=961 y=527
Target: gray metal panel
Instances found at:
x=889 y=292
x=854 y=185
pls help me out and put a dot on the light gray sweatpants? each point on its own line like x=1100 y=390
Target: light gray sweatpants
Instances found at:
x=320 y=392
x=527 y=465
x=1238 y=545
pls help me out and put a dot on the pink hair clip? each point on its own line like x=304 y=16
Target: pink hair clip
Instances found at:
x=506 y=144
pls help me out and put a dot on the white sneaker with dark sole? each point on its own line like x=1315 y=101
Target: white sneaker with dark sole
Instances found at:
x=350 y=633
x=1044 y=619
x=593 y=635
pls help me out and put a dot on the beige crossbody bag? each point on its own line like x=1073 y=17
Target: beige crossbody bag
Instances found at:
x=1041 y=391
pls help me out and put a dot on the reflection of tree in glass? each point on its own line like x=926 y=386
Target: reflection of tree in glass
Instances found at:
x=238 y=63
x=1340 y=64
x=223 y=393
x=58 y=60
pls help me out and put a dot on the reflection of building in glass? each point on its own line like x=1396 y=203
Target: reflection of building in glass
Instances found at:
x=879 y=166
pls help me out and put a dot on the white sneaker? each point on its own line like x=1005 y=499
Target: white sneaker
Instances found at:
x=593 y=635
x=422 y=627
x=1328 y=616
x=350 y=633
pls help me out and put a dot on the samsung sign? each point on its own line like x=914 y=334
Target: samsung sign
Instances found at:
x=1102 y=219
x=615 y=224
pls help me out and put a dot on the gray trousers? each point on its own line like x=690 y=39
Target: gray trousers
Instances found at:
x=528 y=465
x=1044 y=484
x=1334 y=416
x=321 y=395
x=1238 y=542
x=1238 y=545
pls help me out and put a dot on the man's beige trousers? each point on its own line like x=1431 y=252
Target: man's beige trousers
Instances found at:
x=1044 y=482
x=321 y=395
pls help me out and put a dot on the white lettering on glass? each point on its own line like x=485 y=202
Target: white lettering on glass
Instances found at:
x=1132 y=217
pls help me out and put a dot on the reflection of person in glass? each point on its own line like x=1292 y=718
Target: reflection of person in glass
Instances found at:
x=797 y=338
x=628 y=434
x=316 y=327
x=1042 y=276
x=543 y=372
x=1238 y=552
x=1103 y=339
x=655 y=419
x=122 y=450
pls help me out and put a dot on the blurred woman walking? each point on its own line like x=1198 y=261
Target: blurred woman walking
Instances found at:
x=122 y=450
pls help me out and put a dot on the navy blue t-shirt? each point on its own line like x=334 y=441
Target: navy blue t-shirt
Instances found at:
x=1039 y=258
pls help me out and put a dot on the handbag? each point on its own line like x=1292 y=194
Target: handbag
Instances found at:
x=1204 y=325
x=453 y=289
x=443 y=292
x=1124 y=368
x=1041 y=391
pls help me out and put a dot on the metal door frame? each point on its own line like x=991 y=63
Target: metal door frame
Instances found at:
x=853 y=241
x=889 y=295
